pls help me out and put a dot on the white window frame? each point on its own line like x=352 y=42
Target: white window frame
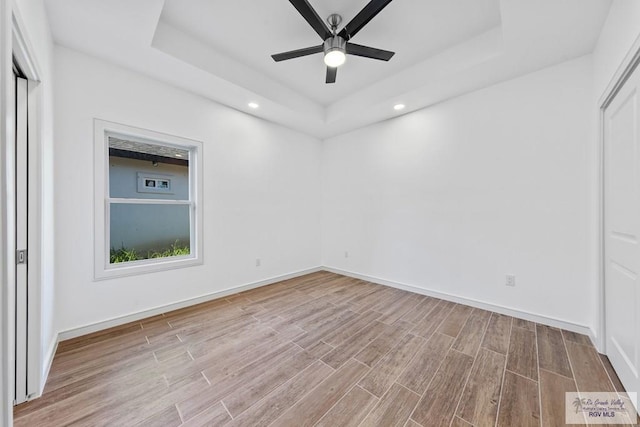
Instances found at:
x=103 y=269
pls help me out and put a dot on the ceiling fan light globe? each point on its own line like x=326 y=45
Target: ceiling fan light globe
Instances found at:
x=335 y=58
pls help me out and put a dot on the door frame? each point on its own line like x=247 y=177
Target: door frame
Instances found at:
x=24 y=55
x=14 y=42
x=6 y=292
x=624 y=70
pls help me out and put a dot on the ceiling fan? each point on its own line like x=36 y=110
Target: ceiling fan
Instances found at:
x=337 y=45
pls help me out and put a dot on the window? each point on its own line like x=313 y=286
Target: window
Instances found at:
x=147 y=207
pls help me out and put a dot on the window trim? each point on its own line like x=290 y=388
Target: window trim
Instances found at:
x=103 y=269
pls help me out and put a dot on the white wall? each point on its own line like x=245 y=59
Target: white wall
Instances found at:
x=261 y=186
x=454 y=197
x=33 y=16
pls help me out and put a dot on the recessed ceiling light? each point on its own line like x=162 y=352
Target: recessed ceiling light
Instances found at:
x=253 y=105
x=178 y=155
x=398 y=107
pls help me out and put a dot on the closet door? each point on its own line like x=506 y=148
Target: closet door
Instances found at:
x=622 y=231
x=21 y=198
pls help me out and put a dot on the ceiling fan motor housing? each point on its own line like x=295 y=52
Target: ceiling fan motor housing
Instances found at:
x=335 y=43
x=335 y=52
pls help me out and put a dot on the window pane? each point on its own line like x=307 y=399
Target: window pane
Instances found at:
x=141 y=231
x=140 y=170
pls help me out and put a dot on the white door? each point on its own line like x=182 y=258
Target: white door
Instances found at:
x=21 y=236
x=622 y=231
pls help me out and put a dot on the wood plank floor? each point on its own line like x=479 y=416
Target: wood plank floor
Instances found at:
x=323 y=350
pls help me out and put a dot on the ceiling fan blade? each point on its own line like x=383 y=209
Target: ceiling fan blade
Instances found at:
x=369 y=52
x=362 y=18
x=297 y=53
x=331 y=74
x=312 y=17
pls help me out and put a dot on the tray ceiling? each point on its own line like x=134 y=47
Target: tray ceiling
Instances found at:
x=221 y=50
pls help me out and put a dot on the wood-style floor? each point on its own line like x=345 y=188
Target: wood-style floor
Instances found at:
x=322 y=350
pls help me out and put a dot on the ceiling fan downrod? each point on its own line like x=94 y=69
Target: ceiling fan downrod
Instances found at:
x=334 y=21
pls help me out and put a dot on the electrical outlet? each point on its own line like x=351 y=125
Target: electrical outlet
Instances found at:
x=346 y=254
x=257 y=262
x=511 y=280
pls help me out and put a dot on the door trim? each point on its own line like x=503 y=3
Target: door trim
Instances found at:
x=6 y=292
x=624 y=70
x=25 y=56
x=14 y=42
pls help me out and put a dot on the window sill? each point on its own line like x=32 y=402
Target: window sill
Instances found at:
x=134 y=268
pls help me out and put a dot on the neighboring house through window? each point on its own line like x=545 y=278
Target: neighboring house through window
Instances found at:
x=147 y=201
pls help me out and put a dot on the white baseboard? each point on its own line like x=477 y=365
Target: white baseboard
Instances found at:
x=117 y=321
x=545 y=320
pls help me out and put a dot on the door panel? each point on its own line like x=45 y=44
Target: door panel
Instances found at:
x=622 y=156
x=624 y=283
x=622 y=231
x=21 y=200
